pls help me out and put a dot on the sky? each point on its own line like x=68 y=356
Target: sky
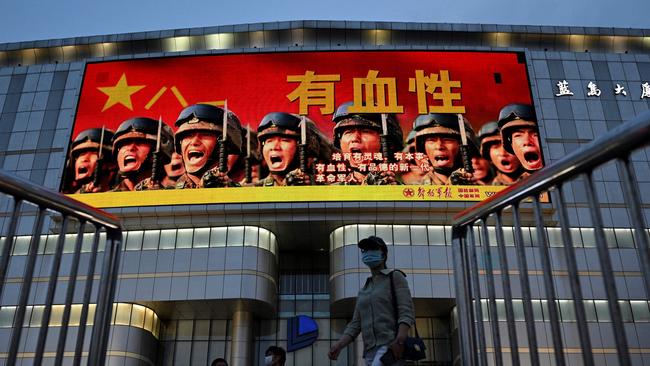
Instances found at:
x=26 y=20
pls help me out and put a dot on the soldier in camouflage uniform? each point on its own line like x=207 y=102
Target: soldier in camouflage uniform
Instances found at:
x=199 y=129
x=134 y=145
x=84 y=160
x=279 y=137
x=438 y=136
x=508 y=168
x=359 y=133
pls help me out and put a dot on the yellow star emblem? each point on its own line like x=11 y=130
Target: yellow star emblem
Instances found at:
x=120 y=93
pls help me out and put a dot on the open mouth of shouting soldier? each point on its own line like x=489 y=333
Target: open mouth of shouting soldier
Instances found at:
x=197 y=150
x=502 y=160
x=442 y=151
x=279 y=152
x=525 y=143
x=132 y=155
x=85 y=165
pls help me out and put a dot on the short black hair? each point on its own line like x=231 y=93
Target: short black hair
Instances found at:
x=277 y=351
x=214 y=363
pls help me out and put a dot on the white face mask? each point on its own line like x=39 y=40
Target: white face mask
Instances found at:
x=268 y=360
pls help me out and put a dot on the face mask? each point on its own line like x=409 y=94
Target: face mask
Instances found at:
x=268 y=360
x=372 y=258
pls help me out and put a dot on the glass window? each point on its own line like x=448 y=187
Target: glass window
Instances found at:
x=351 y=235
x=611 y=238
x=36 y=316
x=492 y=236
x=538 y=313
x=447 y=234
x=518 y=309
x=123 y=314
x=588 y=237
x=156 y=326
x=226 y=40
x=640 y=311
x=148 y=319
x=366 y=230
x=134 y=240
x=436 y=235
x=70 y=240
x=42 y=242
x=273 y=244
x=218 y=236
x=338 y=237
x=7 y=316
x=212 y=42
x=626 y=311
x=236 y=236
x=576 y=237
x=264 y=238
x=567 y=312
x=87 y=244
x=184 y=238
x=150 y=240
x=138 y=315
x=508 y=236
x=385 y=232
x=250 y=236
x=501 y=309
x=201 y=238
x=402 y=235
x=185 y=328
x=91 y=314
x=602 y=312
x=201 y=330
x=56 y=316
x=418 y=235
x=590 y=311
x=534 y=240
x=554 y=237
x=624 y=238
x=50 y=246
x=167 y=239
x=75 y=315
x=21 y=245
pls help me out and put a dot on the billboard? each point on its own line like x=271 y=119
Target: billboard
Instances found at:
x=301 y=127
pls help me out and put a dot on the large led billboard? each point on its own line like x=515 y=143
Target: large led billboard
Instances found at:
x=301 y=127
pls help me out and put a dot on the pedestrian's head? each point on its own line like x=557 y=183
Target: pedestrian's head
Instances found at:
x=374 y=252
x=219 y=362
x=275 y=356
x=199 y=127
x=519 y=133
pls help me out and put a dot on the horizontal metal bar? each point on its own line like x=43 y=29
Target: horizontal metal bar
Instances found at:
x=41 y=196
x=618 y=142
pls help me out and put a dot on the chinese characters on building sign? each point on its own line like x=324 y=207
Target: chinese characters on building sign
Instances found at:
x=593 y=90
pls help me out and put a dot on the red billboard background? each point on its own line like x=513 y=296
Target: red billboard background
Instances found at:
x=256 y=84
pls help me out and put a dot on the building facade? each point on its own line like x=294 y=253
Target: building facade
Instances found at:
x=199 y=282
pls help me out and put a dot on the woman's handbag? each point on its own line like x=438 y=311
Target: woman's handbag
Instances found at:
x=414 y=348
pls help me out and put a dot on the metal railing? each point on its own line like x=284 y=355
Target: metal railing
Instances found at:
x=482 y=337
x=48 y=208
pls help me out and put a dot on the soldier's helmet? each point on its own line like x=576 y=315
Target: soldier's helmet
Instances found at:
x=208 y=118
x=487 y=136
x=143 y=128
x=288 y=125
x=89 y=140
x=345 y=119
x=442 y=124
x=515 y=116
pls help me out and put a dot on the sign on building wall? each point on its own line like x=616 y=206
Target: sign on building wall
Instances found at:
x=302 y=126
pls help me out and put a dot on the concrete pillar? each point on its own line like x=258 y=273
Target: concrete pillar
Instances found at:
x=241 y=350
x=358 y=351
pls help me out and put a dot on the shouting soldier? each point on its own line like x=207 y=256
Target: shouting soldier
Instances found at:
x=198 y=140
